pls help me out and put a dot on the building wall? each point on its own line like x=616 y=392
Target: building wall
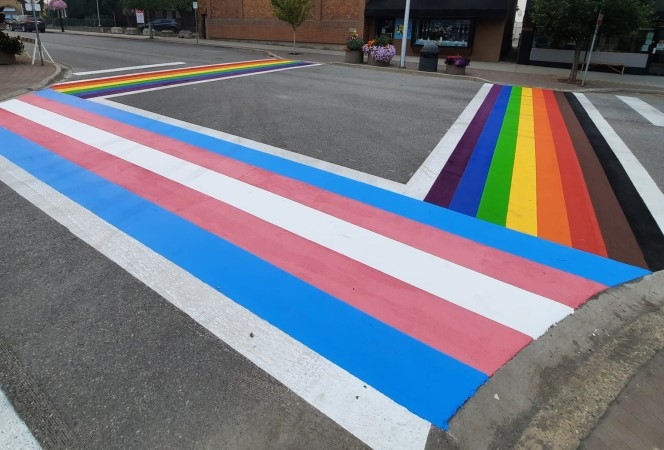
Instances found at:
x=329 y=21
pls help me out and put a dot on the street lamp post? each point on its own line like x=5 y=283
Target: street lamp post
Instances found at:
x=404 y=35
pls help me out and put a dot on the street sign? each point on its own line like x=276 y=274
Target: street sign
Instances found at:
x=195 y=5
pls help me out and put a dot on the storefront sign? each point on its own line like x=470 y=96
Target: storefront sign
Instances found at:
x=398 y=29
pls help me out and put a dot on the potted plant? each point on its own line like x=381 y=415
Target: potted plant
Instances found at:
x=10 y=46
x=456 y=65
x=353 y=49
x=379 y=51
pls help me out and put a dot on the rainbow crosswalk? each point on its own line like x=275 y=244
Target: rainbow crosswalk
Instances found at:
x=526 y=163
x=122 y=84
x=420 y=303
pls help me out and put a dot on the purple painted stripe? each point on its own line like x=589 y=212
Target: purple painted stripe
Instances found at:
x=443 y=189
x=187 y=79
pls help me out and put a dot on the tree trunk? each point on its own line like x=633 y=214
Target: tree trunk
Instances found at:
x=294 y=40
x=575 y=62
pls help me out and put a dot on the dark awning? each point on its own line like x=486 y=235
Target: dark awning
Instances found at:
x=438 y=8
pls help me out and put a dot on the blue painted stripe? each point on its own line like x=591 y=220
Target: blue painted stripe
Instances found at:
x=163 y=82
x=587 y=265
x=467 y=197
x=427 y=382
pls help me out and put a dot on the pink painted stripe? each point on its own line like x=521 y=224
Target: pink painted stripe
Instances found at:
x=455 y=331
x=552 y=283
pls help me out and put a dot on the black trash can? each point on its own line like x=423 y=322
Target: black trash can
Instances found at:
x=429 y=57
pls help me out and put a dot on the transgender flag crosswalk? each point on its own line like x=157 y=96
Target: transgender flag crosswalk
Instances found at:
x=418 y=303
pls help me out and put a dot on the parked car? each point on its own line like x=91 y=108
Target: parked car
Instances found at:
x=161 y=25
x=27 y=23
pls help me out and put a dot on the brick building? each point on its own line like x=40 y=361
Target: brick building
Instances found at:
x=481 y=29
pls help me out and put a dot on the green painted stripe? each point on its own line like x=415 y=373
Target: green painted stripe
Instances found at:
x=496 y=195
x=189 y=75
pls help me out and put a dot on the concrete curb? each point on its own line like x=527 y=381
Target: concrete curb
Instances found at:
x=552 y=394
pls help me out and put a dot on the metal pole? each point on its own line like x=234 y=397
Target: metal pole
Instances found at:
x=39 y=46
x=98 y=16
x=404 y=36
x=590 y=52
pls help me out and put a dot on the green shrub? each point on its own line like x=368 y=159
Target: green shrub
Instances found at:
x=10 y=45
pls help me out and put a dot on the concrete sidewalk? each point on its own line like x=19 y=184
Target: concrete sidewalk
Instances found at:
x=610 y=394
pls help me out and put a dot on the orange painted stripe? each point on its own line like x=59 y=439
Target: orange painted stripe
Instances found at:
x=155 y=74
x=552 y=222
x=583 y=224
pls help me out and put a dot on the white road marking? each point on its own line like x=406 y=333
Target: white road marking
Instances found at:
x=124 y=69
x=14 y=433
x=650 y=113
x=645 y=185
x=509 y=305
x=346 y=172
x=420 y=183
x=373 y=418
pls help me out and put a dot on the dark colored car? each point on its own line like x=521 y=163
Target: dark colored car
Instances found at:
x=161 y=25
x=27 y=23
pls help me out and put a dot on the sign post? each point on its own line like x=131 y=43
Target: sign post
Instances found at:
x=195 y=6
x=600 y=17
x=33 y=6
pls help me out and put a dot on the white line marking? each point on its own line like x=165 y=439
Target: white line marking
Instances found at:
x=190 y=83
x=420 y=183
x=645 y=185
x=373 y=418
x=14 y=433
x=124 y=69
x=509 y=305
x=650 y=113
x=188 y=68
x=346 y=172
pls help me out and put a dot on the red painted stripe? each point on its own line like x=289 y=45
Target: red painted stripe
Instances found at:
x=168 y=72
x=584 y=228
x=538 y=278
x=455 y=331
x=552 y=223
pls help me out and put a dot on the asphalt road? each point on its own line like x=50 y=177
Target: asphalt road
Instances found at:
x=94 y=358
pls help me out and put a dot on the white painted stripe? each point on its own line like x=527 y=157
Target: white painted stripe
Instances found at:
x=124 y=69
x=420 y=183
x=372 y=417
x=189 y=68
x=14 y=433
x=346 y=172
x=190 y=83
x=650 y=113
x=509 y=305
x=645 y=185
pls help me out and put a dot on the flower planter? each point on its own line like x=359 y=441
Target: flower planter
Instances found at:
x=7 y=58
x=455 y=70
x=354 y=57
x=373 y=62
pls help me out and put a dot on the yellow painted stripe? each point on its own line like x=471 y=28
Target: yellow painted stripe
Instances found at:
x=149 y=76
x=522 y=208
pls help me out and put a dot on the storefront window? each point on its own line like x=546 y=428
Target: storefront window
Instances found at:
x=446 y=32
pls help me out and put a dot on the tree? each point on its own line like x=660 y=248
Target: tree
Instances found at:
x=292 y=12
x=575 y=20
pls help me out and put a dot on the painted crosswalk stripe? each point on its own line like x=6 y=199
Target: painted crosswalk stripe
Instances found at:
x=124 y=69
x=582 y=264
x=421 y=303
x=374 y=418
x=518 y=309
x=650 y=113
